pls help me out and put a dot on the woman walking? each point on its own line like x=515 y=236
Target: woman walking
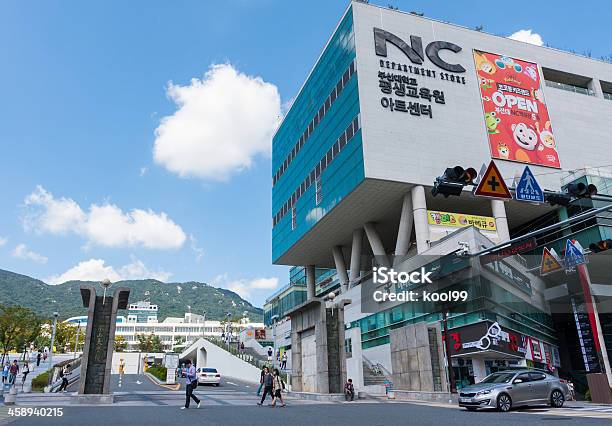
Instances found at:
x=268 y=386
x=25 y=370
x=277 y=384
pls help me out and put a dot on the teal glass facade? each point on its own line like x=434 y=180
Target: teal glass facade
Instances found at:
x=317 y=155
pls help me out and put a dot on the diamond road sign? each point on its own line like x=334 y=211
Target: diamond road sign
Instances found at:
x=528 y=188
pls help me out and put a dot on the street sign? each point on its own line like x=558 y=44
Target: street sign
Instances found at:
x=528 y=188
x=492 y=184
x=550 y=262
x=573 y=254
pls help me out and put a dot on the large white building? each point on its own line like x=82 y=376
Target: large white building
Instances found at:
x=393 y=100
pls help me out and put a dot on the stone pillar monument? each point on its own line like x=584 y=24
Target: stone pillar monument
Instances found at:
x=99 y=339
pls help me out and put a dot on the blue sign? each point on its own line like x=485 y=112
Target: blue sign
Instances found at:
x=528 y=188
x=573 y=255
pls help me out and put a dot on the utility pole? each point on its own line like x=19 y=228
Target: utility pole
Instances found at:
x=451 y=373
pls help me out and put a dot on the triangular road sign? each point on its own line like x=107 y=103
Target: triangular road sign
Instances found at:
x=550 y=262
x=492 y=184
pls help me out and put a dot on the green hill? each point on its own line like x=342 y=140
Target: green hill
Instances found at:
x=172 y=298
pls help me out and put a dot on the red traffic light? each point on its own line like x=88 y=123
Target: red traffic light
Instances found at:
x=600 y=246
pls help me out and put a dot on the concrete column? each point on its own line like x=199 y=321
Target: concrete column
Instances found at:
x=310 y=282
x=356 y=255
x=480 y=371
x=340 y=268
x=405 y=227
x=376 y=243
x=501 y=221
x=419 y=213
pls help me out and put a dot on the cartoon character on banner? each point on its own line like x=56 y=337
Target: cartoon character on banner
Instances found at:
x=492 y=121
x=483 y=64
x=526 y=140
x=503 y=150
x=547 y=149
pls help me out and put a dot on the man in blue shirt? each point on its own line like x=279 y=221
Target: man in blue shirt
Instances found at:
x=191 y=382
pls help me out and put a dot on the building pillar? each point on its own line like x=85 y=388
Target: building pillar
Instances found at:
x=356 y=256
x=501 y=222
x=376 y=243
x=480 y=371
x=404 y=233
x=419 y=213
x=310 y=282
x=340 y=268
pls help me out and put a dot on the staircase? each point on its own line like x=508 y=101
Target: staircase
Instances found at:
x=375 y=374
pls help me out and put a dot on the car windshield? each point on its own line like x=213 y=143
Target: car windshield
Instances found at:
x=498 y=378
x=209 y=370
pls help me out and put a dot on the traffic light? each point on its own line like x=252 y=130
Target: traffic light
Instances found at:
x=560 y=199
x=599 y=246
x=581 y=190
x=453 y=180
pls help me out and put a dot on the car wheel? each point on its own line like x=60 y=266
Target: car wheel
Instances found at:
x=471 y=408
x=504 y=403
x=557 y=399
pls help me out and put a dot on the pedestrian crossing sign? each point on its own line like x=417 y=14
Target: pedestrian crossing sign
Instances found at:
x=550 y=262
x=492 y=184
x=528 y=188
x=573 y=254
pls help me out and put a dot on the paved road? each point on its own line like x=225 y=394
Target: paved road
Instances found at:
x=359 y=413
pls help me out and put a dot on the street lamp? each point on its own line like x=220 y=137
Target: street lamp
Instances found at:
x=55 y=315
x=106 y=283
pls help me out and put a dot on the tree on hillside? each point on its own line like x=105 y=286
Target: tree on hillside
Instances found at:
x=19 y=327
x=120 y=344
x=149 y=343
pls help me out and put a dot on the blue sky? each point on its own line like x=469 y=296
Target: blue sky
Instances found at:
x=107 y=168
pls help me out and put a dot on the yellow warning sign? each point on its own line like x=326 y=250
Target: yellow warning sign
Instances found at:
x=550 y=262
x=492 y=184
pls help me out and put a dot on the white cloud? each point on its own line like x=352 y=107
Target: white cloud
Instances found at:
x=97 y=270
x=22 y=252
x=3 y=240
x=244 y=287
x=223 y=121
x=528 y=37
x=105 y=225
x=143 y=171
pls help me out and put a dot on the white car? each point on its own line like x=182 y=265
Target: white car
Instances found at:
x=208 y=376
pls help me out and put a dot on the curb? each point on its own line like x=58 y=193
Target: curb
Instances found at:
x=159 y=383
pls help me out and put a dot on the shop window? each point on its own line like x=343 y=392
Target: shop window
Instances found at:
x=348 y=347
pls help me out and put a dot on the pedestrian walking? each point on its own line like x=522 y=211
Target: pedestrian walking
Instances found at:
x=277 y=386
x=24 y=372
x=261 y=380
x=349 y=390
x=270 y=353
x=45 y=356
x=121 y=368
x=284 y=361
x=38 y=357
x=242 y=346
x=64 y=372
x=191 y=382
x=13 y=371
x=268 y=382
x=5 y=372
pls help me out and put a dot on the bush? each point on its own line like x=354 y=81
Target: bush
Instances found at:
x=39 y=382
x=158 y=371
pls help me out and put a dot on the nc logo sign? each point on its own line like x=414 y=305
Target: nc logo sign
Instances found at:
x=414 y=50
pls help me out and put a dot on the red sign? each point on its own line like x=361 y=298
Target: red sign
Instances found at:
x=516 y=116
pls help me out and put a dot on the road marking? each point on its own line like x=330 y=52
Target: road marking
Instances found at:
x=231 y=383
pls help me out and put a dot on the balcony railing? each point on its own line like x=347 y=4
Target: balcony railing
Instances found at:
x=570 y=87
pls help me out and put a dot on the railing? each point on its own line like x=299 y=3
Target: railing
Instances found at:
x=569 y=87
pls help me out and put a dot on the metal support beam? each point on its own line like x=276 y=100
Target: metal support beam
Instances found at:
x=501 y=220
x=340 y=267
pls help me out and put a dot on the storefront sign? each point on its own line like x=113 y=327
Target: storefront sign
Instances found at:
x=399 y=81
x=510 y=274
x=459 y=220
x=585 y=337
x=515 y=112
x=486 y=336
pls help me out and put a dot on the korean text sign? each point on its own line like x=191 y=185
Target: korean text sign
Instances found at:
x=516 y=116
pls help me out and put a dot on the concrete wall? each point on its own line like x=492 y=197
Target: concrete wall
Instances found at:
x=411 y=357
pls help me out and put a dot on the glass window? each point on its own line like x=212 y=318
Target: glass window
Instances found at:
x=524 y=377
x=537 y=376
x=498 y=378
x=318 y=194
x=332 y=97
x=293 y=218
